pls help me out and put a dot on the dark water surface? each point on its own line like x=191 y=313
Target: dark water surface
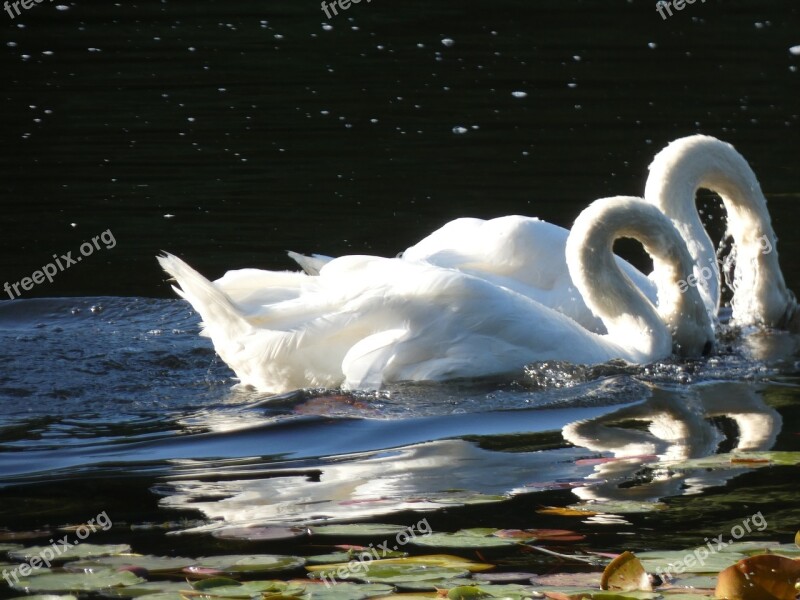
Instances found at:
x=229 y=132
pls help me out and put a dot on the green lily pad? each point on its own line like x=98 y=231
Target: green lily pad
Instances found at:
x=466 y=498
x=342 y=557
x=9 y=547
x=358 y=530
x=71 y=553
x=246 y=589
x=153 y=564
x=345 y=591
x=433 y=585
x=467 y=592
x=77 y=582
x=465 y=539
x=685 y=561
x=619 y=507
x=376 y=572
x=787 y=550
x=254 y=563
x=151 y=588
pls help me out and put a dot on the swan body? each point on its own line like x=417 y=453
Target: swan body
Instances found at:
x=365 y=321
x=523 y=254
x=700 y=161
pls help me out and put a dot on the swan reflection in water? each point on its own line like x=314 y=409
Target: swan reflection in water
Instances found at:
x=679 y=427
x=466 y=467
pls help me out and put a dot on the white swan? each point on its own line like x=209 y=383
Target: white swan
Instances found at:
x=365 y=321
x=525 y=254
x=699 y=161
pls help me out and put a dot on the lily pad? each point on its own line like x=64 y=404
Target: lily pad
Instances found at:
x=358 y=530
x=246 y=589
x=620 y=507
x=345 y=591
x=153 y=564
x=376 y=572
x=260 y=534
x=253 y=563
x=545 y=535
x=686 y=561
x=9 y=547
x=77 y=582
x=76 y=551
x=465 y=539
x=426 y=561
x=625 y=573
x=762 y=577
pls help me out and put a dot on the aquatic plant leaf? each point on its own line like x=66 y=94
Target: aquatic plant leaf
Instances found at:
x=345 y=591
x=466 y=498
x=675 y=563
x=252 y=563
x=153 y=564
x=150 y=588
x=620 y=507
x=440 y=560
x=682 y=595
x=797 y=539
x=76 y=582
x=547 y=535
x=587 y=580
x=566 y=511
x=8 y=547
x=625 y=573
x=76 y=551
x=761 y=577
x=467 y=592
x=358 y=529
x=227 y=588
x=213 y=582
x=378 y=572
x=259 y=534
x=461 y=539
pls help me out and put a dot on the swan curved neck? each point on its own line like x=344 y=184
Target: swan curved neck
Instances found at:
x=627 y=314
x=677 y=172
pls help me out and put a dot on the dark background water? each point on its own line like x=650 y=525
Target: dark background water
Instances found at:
x=264 y=126
x=229 y=132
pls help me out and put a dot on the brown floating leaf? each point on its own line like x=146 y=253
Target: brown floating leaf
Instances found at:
x=565 y=512
x=760 y=577
x=625 y=573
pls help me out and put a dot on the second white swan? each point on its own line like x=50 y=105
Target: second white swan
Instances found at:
x=365 y=321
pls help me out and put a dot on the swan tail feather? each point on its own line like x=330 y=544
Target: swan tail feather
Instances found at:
x=310 y=264
x=213 y=305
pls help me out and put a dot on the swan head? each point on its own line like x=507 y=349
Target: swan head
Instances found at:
x=700 y=161
x=680 y=323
